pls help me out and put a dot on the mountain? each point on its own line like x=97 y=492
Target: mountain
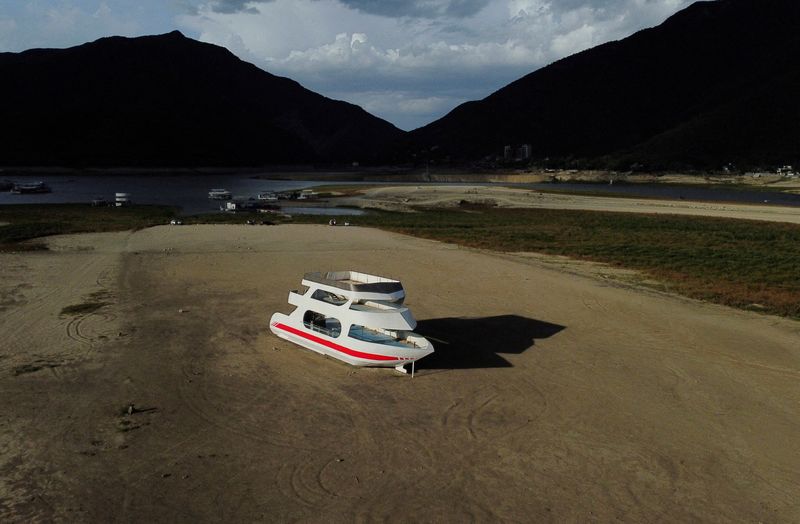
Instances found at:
x=169 y=100
x=716 y=83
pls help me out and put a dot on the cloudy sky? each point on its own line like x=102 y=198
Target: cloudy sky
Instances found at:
x=408 y=61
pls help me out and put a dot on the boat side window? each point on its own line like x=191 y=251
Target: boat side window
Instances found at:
x=322 y=324
x=328 y=297
x=380 y=336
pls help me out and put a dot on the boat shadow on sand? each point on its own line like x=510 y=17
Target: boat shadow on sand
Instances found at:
x=465 y=343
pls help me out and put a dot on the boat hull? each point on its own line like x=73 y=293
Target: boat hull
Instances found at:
x=353 y=351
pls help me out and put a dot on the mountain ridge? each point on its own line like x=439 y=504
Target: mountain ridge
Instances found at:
x=711 y=86
x=645 y=98
x=170 y=100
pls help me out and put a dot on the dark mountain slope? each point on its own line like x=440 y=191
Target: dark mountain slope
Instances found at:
x=717 y=82
x=169 y=100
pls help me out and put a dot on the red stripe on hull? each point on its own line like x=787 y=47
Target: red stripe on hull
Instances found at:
x=334 y=346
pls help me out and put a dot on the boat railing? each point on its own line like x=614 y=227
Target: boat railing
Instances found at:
x=377 y=336
x=333 y=333
x=357 y=282
x=377 y=306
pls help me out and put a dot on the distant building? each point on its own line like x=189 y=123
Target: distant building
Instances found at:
x=524 y=152
x=122 y=199
x=232 y=206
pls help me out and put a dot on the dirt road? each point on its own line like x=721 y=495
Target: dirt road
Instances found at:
x=551 y=397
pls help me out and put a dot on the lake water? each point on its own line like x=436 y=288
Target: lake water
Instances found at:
x=190 y=192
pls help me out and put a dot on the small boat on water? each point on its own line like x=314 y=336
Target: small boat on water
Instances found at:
x=250 y=204
x=219 y=194
x=30 y=187
x=354 y=317
x=268 y=196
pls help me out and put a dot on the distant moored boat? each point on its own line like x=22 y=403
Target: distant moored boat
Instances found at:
x=219 y=194
x=268 y=196
x=31 y=187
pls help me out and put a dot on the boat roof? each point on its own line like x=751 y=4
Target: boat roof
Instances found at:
x=355 y=281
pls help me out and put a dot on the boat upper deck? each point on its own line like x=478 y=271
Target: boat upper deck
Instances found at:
x=355 y=281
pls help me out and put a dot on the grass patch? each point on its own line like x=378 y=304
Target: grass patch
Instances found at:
x=745 y=264
x=26 y=222
x=233 y=218
x=83 y=309
x=33 y=368
x=343 y=190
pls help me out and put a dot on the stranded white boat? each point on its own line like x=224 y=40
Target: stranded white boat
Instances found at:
x=354 y=317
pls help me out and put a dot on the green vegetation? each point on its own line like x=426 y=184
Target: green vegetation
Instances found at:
x=740 y=263
x=82 y=309
x=232 y=218
x=746 y=264
x=34 y=367
x=26 y=222
x=340 y=190
x=92 y=303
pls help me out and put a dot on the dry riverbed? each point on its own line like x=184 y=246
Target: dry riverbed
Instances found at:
x=140 y=382
x=405 y=198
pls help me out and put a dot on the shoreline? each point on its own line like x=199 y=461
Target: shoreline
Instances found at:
x=507 y=219
x=405 y=198
x=389 y=174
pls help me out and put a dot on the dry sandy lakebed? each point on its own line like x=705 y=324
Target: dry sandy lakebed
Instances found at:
x=553 y=396
x=409 y=196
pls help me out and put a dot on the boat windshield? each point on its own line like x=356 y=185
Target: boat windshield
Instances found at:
x=330 y=298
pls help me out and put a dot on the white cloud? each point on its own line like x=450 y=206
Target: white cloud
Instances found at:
x=395 y=58
x=407 y=55
x=103 y=11
x=353 y=53
x=392 y=8
x=314 y=35
x=402 y=108
x=574 y=41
